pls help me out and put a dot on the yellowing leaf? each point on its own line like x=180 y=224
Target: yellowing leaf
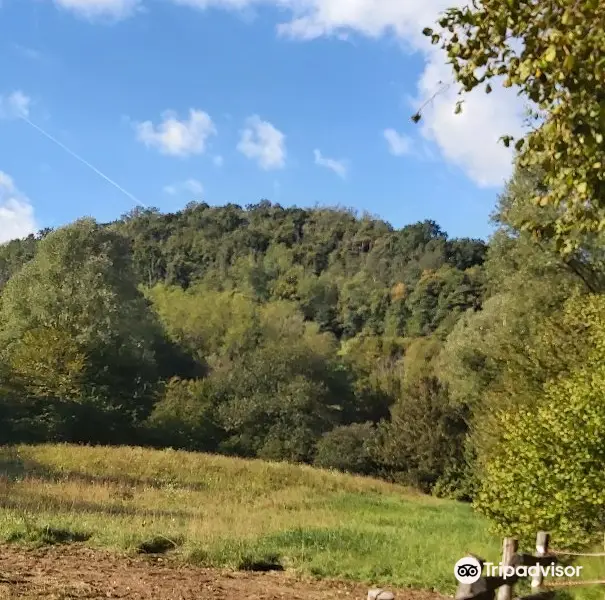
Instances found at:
x=551 y=53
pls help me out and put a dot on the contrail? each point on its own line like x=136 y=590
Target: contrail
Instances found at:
x=84 y=162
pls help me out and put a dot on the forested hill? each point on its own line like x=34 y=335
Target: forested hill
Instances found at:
x=346 y=273
x=309 y=336
x=260 y=331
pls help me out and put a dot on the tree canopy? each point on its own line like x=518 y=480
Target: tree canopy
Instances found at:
x=553 y=53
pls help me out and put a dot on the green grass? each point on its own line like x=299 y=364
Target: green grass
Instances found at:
x=220 y=511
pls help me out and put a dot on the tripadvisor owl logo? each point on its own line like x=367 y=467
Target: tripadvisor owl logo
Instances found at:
x=467 y=570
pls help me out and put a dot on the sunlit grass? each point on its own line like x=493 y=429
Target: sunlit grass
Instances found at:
x=221 y=511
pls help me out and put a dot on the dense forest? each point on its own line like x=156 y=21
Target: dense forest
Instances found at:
x=317 y=336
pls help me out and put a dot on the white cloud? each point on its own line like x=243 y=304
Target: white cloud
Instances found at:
x=16 y=212
x=95 y=9
x=192 y=186
x=262 y=142
x=399 y=144
x=469 y=141
x=15 y=105
x=178 y=138
x=338 y=166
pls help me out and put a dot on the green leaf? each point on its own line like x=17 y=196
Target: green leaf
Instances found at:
x=506 y=140
x=550 y=54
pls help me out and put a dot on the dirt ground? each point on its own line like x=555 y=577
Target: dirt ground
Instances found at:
x=70 y=572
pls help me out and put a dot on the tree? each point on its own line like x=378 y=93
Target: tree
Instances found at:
x=553 y=52
x=77 y=298
x=547 y=471
x=208 y=324
x=525 y=283
x=277 y=399
x=49 y=364
x=422 y=439
x=424 y=436
x=347 y=448
x=13 y=255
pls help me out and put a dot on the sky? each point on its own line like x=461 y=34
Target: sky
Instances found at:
x=109 y=104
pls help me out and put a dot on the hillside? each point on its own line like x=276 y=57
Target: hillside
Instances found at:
x=230 y=512
x=319 y=337
x=262 y=331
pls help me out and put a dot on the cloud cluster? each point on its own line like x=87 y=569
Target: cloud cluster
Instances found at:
x=263 y=142
x=175 y=137
x=338 y=166
x=469 y=141
x=15 y=105
x=16 y=211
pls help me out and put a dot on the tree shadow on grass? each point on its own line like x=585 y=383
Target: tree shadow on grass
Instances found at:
x=15 y=467
x=36 y=503
x=47 y=536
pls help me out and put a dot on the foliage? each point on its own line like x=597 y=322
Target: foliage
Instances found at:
x=501 y=357
x=184 y=417
x=73 y=324
x=552 y=52
x=309 y=336
x=48 y=363
x=13 y=255
x=277 y=400
x=547 y=472
x=347 y=448
x=424 y=437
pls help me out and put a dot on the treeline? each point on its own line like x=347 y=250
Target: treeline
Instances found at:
x=322 y=337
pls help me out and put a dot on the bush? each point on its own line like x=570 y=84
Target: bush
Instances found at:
x=548 y=471
x=346 y=448
x=185 y=417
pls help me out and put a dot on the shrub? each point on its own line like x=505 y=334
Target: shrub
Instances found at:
x=346 y=448
x=547 y=473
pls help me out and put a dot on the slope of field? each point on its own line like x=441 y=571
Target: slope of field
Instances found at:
x=215 y=512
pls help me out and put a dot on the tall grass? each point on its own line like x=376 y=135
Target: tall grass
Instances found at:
x=220 y=511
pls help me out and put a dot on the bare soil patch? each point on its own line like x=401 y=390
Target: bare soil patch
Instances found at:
x=74 y=571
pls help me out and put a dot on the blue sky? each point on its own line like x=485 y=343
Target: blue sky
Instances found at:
x=299 y=101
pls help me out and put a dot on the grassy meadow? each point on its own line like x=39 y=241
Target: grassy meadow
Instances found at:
x=227 y=512
x=220 y=511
